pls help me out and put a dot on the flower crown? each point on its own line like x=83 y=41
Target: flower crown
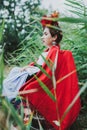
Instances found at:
x=48 y=20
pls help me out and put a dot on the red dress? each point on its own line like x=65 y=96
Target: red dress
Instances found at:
x=66 y=90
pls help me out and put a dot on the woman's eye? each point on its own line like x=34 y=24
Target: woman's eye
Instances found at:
x=45 y=33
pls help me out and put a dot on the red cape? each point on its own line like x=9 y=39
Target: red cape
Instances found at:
x=65 y=90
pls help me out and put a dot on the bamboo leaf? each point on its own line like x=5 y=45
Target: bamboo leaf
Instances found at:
x=43 y=70
x=1 y=31
x=73 y=20
x=74 y=100
x=77 y=13
x=46 y=61
x=1 y=72
x=45 y=88
x=14 y=113
x=74 y=7
x=74 y=3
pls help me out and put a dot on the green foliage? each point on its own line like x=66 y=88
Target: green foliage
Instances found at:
x=1 y=32
x=17 y=15
x=45 y=88
x=30 y=49
x=1 y=57
x=75 y=39
x=1 y=72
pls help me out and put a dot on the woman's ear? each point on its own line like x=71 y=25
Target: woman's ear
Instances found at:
x=55 y=37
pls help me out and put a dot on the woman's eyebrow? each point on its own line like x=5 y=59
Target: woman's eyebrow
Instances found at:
x=45 y=33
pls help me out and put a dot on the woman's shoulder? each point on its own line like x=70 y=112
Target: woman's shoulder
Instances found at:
x=57 y=48
x=66 y=55
x=65 y=52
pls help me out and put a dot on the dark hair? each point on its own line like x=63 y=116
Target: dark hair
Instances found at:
x=56 y=31
x=53 y=26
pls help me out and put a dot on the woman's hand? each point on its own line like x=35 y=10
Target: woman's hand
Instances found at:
x=25 y=67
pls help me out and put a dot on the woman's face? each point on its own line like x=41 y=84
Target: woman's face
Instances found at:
x=47 y=38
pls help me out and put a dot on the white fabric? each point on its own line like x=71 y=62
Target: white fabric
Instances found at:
x=13 y=82
x=40 y=61
x=17 y=78
x=33 y=69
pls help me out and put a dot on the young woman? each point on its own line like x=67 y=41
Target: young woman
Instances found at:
x=59 y=77
x=64 y=87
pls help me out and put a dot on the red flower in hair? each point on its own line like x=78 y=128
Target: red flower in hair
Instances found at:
x=46 y=21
